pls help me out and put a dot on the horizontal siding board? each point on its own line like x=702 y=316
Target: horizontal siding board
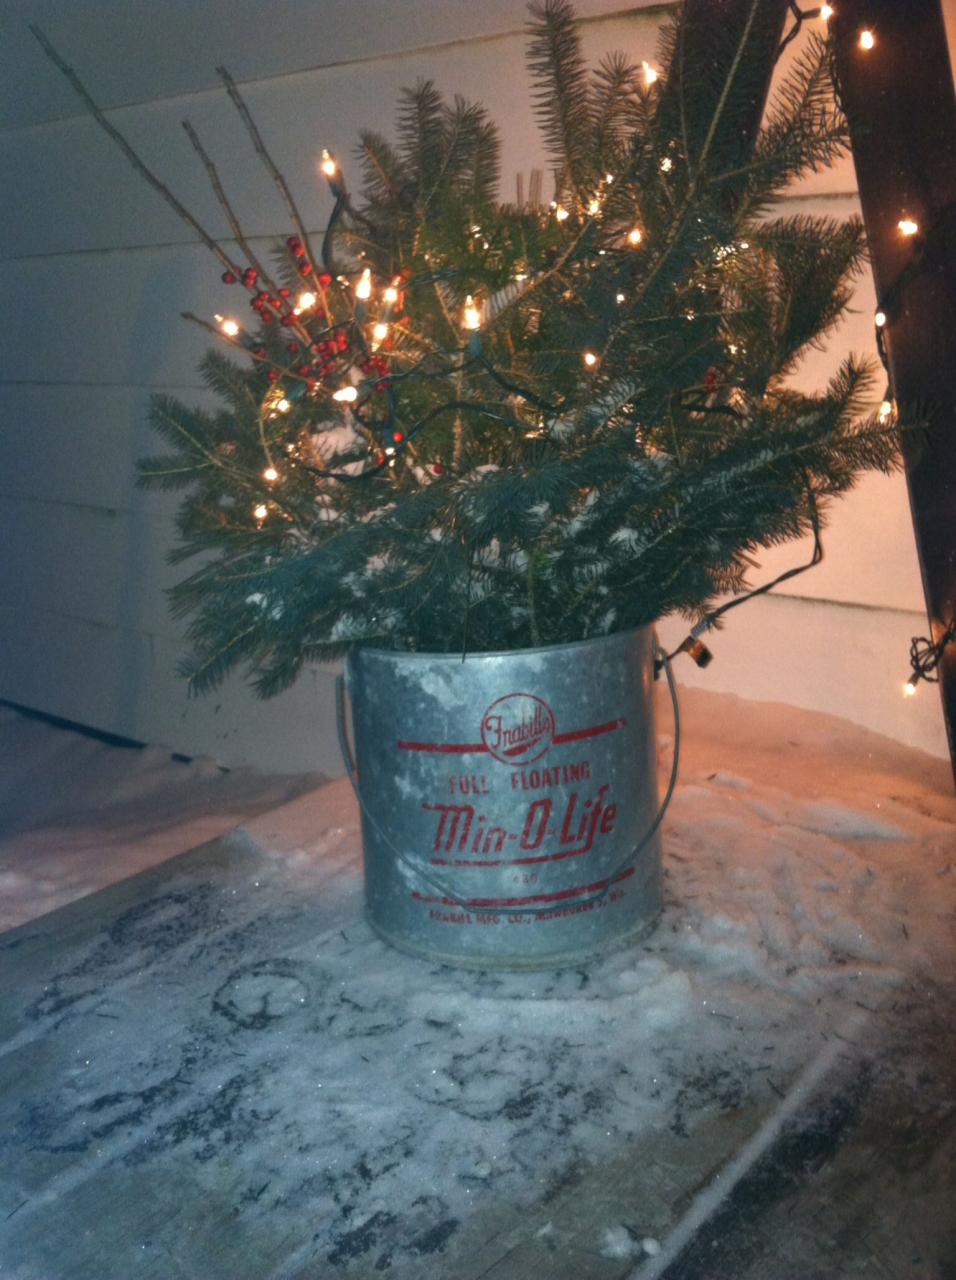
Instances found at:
x=76 y=191
x=103 y=567
x=125 y=681
x=171 y=49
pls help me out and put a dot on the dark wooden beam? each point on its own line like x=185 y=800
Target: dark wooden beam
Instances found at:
x=899 y=100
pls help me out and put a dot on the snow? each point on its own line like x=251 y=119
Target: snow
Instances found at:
x=77 y=814
x=809 y=877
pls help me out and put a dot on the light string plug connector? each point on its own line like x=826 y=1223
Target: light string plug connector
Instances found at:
x=925 y=657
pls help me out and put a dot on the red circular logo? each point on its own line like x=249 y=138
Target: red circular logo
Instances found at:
x=518 y=728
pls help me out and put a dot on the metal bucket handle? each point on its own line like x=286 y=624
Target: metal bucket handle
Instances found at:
x=445 y=890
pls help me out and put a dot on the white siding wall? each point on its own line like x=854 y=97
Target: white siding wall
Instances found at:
x=97 y=270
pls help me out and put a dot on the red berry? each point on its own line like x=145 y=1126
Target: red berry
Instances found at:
x=398 y=436
x=287 y=319
x=265 y=316
x=273 y=375
x=306 y=269
x=342 y=342
x=285 y=293
x=249 y=277
x=325 y=279
x=437 y=468
x=292 y=348
x=228 y=277
x=294 y=243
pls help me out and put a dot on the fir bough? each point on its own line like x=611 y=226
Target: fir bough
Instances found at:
x=611 y=447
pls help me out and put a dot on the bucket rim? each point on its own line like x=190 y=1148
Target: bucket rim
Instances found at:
x=413 y=655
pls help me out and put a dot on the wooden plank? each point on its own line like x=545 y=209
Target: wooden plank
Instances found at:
x=901 y=108
x=126 y=68
x=76 y=191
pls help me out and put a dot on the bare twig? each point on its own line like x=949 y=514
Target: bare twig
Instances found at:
x=266 y=158
x=138 y=164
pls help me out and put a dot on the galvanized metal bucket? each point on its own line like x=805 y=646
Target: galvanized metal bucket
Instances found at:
x=509 y=800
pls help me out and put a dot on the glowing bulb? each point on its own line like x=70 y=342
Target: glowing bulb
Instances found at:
x=229 y=327
x=345 y=394
x=650 y=75
x=363 y=289
x=261 y=511
x=619 y=297
x=635 y=235
x=283 y=405
x=880 y=319
x=305 y=300
x=560 y=213
x=908 y=227
x=270 y=475
x=594 y=206
x=909 y=689
x=590 y=359
x=391 y=295
x=867 y=39
x=471 y=317
x=380 y=331
x=886 y=408
x=826 y=12
x=329 y=167
x=667 y=164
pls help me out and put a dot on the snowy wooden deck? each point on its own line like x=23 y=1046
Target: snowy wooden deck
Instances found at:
x=213 y=1069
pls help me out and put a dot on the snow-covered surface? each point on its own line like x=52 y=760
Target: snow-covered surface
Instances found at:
x=77 y=814
x=810 y=872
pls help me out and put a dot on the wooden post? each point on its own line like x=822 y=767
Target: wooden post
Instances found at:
x=899 y=100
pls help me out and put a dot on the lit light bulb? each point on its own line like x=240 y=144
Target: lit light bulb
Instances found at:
x=590 y=359
x=561 y=214
x=363 y=288
x=471 y=317
x=229 y=327
x=380 y=331
x=886 y=408
x=619 y=297
x=283 y=405
x=909 y=688
x=635 y=235
x=650 y=75
x=260 y=511
x=391 y=295
x=908 y=227
x=305 y=300
x=270 y=475
x=867 y=39
x=826 y=12
x=345 y=394
x=880 y=319
x=594 y=206
x=329 y=167
x=667 y=164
